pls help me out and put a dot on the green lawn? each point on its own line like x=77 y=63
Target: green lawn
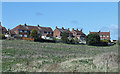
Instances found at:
x=20 y=55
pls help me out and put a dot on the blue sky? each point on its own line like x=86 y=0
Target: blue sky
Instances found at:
x=89 y=16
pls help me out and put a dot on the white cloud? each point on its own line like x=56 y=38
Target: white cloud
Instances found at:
x=113 y=31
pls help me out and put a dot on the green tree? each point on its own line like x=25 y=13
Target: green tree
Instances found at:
x=65 y=37
x=2 y=36
x=34 y=34
x=92 y=39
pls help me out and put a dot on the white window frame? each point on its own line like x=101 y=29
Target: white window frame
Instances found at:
x=25 y=36
x=103 y=35
x=20 y=35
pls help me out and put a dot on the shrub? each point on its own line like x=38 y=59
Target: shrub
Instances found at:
x=105 y=41
x=2 y=36
x=92 y=39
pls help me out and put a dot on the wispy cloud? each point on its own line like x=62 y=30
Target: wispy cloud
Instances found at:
x=38 y=14
x=113 y=30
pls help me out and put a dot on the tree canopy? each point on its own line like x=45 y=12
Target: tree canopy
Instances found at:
x=92 y=39
x=34 y=34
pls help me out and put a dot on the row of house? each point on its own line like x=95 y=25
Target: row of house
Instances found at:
x=44 y=32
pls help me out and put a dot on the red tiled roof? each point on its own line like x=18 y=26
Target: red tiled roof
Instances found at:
x=19 y=27
x=101 y=33
x=79 y=32
x=48 y=29
x=0 y=24
x=64 y=30
x=23 y=27
x=11 y=32
x=32 y=27
x=4 y=29
x=104 y=33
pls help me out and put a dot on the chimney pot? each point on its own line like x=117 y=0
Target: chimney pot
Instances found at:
x=38 y=25
x=81 y=30
x=25 y=24
x=72 y=29
x=68 y=28
x=56 y=27
x=77 y=29
x=62 y=28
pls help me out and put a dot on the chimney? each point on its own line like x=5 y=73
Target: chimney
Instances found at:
x=62 y=28
x=77 y=29
x=56 y=27
x=68 y=29
x=72 y=29
x=25 y=24
x=81 y=30
x=38 y=25
x=99 y=31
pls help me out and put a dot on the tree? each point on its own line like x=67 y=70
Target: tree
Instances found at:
x=34 y=34
x=65 y=37
x=2 y=36
x=92 y=39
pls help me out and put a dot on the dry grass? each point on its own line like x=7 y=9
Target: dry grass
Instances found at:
x=20 y=55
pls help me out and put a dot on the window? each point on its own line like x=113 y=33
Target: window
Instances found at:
x=50 y=32
x=25 y=31
x=20 y=31
x=45 y=32
x=20 y=35
x=107 y=36
x=101 y=36
x=25 y=36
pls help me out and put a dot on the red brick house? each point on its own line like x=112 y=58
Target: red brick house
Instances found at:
x=103 y=35
x=78 y=34
x=59 y=32
x=25 y=30
x=3 y=30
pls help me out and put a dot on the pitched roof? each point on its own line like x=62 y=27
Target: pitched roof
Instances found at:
x=64 y=30
x=0 y=24
x=101 y=33
x=32 y=27
x=2 y=28
x=11 y=32
x=79 y=32
x=48 y=29
x=27 y=27
x=19 y=27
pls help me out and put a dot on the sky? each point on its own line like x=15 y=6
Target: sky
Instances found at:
x=89 y=16
x=60 y=0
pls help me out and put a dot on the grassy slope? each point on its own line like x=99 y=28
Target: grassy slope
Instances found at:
x=34 y=56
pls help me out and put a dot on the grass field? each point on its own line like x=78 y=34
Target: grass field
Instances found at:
x=20 y=55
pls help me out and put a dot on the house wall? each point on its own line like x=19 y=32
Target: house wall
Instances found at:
x=102 y=37
x=56 y=32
